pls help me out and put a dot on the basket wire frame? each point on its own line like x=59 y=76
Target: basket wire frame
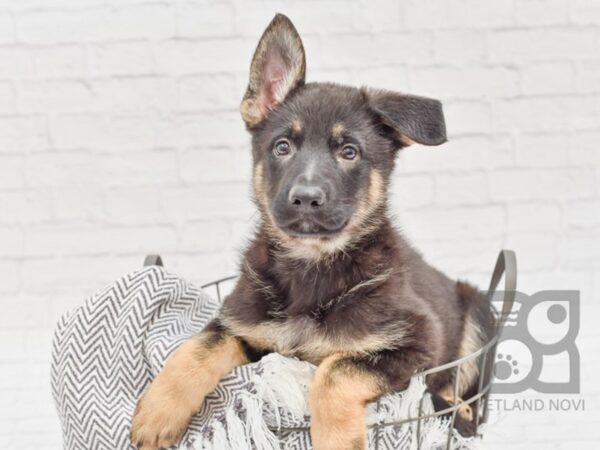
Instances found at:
x=486 y=355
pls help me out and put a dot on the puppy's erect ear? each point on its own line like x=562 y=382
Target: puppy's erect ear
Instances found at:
x=278 y=66
x=414 y=119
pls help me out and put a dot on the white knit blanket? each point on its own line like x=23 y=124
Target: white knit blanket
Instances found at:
x=107 y=351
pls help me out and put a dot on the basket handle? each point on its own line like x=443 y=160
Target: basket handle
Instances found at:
x=153 y=260
x=506 y=265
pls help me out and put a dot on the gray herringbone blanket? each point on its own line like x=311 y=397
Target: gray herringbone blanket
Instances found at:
x=107 y=351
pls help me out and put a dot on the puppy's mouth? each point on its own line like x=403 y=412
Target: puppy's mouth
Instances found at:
x=308 y=228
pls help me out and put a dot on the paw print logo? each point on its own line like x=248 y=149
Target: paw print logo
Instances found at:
x=541 y=329
x=505 y=367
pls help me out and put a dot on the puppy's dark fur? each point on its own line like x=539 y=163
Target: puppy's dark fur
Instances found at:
x=327 y=277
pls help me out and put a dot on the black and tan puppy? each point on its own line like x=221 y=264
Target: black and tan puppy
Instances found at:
x=327 y=278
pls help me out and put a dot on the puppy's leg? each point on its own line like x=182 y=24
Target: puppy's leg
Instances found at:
x=339 y=394
x=193 y=371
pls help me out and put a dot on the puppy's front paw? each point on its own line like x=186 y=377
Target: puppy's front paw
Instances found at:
x=160 y=419
x=465 y=411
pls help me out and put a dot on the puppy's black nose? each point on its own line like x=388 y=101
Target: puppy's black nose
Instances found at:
x=305 y=196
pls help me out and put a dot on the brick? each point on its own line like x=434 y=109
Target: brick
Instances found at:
x=521 y=184
x=7 y=98
x=205 y=18
x=537 y=251
x=459 y=46
x=584 y=147
x=58 y=95
x=83 y=240
x=225 y=200
x=9 y=285
x=204 y=56
x=198 y=165
x=540 y=44
x=22 y=133
x=202 y=267
x=458 y=13
x=465 y=82
x=73 y=131
x=381 y=49
x=242 y=163
x=545 y=113
x=208 y=92
x=460 y=153
x=84 y=203
x=7 y=28
x=25 y=206
x=457 y=223
x=62 y=169
x=145 y=168
x=137 y=94
x=541 y=150
x=135 y=132
x=547 y=78
x=388 y=77
x=534 y=216
x=467 y=117
x=23 y=375
x=31 y=310
x=52 y=26
x=588 y=75
x=458 y=256
x=408 y=191
x=158 y=22
x=206 y=236
x=133 y=205
x=15 y=62
x=60 y=61
x=123 y=58
x=77 y=274
x=585 y=12
x=542 y=12
x=12 y=172
x=331 y=15
x=461 y=189
x=342 y=76
x=12 y=241
x=578 y=253
x=12 y=346
x=226 y=129
x=376 y=15
x=583 y=213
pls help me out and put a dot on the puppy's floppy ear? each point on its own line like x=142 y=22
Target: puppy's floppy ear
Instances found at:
x=414 y=119
x=278 y=66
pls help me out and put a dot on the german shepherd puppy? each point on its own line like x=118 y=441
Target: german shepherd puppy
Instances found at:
x=327 y=278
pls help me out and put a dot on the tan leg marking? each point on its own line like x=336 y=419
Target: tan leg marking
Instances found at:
x=338 y=398
x=177 y=393
x=465 y=411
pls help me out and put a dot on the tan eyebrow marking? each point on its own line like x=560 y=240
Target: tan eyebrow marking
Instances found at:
x=338 y=132
x=296 y=126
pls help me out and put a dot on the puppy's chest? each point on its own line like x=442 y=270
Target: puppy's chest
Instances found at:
x=302 y=336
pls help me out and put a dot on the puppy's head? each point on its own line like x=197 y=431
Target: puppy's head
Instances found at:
x=323 y=153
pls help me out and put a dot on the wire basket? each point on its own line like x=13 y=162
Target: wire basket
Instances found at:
x=484 y=356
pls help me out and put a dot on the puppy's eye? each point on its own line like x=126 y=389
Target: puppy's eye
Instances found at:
x=349 y=152
x=282 y=148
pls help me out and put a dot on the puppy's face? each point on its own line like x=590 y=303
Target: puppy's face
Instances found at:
x=318 y=151
x=323 y=153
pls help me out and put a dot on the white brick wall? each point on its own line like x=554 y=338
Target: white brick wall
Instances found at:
x=120 y=136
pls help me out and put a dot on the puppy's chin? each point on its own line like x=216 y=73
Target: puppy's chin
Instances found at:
x=305 y=229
